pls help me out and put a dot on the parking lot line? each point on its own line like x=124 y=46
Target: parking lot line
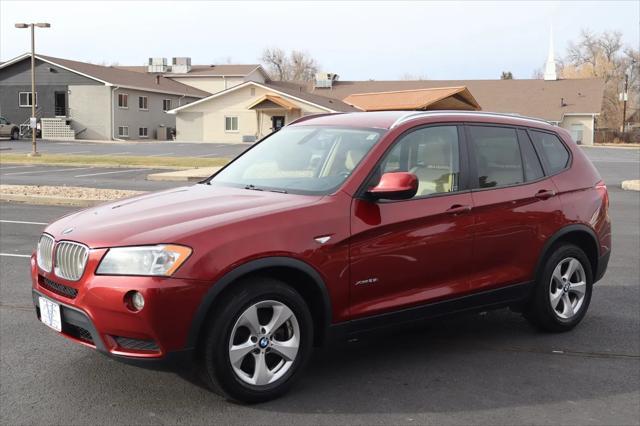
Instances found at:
x=118 y=153
x=160 y=155
x=206 y=155
x=14 y=255
x=110 y=173
x=23 y=222
x=48 y=171
x=16 y=167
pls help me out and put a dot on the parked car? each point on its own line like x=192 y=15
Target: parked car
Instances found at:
x=8 y=129
x=332 y=226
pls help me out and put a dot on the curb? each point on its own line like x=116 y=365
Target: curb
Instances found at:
x=50 y=201
x=631 y=185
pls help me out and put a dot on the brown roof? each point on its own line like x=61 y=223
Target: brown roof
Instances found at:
x=203 y=70
x=535 y=98
x=299 y=91
x=417 y=99
x=128 y=79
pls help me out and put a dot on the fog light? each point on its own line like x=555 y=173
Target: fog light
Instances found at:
x=134 y=300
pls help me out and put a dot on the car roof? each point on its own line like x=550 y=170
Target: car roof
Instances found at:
x=392 y=119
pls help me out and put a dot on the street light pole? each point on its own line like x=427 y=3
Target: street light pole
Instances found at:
x=624 y=101
x=32 y=26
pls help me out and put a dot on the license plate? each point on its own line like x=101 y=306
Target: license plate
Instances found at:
x=50 y=314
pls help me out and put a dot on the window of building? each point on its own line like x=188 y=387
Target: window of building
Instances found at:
x=577 y=132
x=143 y=102
x=497 y=156
x=166 y=104
x=24 y=99
x=231 y=124
x=553 y=151
x=123 y=131
x=123 y=100
x=143 y=132
x=432 y=154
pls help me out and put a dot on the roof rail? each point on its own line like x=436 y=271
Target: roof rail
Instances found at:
x=309 y=117
x=420 y=114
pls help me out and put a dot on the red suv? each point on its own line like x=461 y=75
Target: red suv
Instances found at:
x=333 y=225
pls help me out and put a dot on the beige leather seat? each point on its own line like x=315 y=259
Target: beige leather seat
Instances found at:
x=434 y=171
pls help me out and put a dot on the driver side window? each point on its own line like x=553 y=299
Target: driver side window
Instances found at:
x=430 y=153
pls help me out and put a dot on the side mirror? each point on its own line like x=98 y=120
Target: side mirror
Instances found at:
x=395 y=186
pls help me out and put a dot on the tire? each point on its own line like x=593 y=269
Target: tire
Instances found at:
x=242 y=381
x=558 y=303
x=15 y=134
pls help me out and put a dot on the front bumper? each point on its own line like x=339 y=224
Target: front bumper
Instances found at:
x=94 y=313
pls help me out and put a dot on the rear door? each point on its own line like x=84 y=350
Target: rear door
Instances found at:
x=514 y=205
x=409 y=252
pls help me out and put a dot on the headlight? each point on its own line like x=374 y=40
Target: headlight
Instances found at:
x=162 y=260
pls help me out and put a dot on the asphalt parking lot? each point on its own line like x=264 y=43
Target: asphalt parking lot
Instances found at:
x=149 y=148
x=484 y=369
x=91 y=177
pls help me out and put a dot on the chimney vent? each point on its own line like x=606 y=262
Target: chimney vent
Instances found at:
x=157 y=79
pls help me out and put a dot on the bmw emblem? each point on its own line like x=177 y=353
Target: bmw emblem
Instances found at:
x=263 y=342
x=67 y=231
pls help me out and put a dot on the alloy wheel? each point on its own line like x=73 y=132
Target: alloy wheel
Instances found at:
x=264 y=343
x=568 y=288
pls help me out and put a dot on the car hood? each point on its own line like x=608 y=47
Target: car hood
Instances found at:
x=170 y=216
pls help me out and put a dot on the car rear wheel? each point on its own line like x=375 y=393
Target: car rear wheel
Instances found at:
x=563 y=290
x=15 y=134
x=258 y=342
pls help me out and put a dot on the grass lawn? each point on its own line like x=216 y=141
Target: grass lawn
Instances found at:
x=114 y=161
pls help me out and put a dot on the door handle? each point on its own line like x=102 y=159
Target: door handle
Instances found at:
x=545 y=194
x=458 y=208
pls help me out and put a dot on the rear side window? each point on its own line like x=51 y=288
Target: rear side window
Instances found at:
x=532 y=166
x=552 y=149
x=497 y=156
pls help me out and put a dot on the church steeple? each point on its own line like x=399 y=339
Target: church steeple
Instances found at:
x=550 y=66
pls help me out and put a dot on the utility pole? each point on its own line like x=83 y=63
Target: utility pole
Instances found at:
x=625 y=96
x=33 y=121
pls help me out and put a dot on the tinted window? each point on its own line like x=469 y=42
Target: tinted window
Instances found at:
x=552 y=149
x=497 y=155
x=532 y=166
x=432 y=155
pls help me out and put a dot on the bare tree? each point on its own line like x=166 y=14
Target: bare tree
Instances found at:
x=298 y=65
x=413 y=77
x=604 y=56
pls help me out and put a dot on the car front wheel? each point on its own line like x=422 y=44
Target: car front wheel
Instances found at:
x=258 y=342
x=563 y=290
x=15 y=134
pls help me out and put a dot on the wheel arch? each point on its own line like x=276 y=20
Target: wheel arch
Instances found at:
x=578 y=234
x=296 y=273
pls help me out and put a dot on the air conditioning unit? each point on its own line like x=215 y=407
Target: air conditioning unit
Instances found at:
x=180 y=65
x=157 y=65
x=324 y=80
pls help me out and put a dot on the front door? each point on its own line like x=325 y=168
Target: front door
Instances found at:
x=60 y=104
x=410 y=252
x=277 y=122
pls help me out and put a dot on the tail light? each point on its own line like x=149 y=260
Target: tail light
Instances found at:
x=601 y=187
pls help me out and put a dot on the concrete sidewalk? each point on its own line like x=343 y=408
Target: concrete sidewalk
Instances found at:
x=189 y=175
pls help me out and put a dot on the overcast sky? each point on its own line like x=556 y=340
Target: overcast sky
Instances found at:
x=358 y=40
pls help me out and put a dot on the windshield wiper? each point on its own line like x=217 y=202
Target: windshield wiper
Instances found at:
x=255 y=188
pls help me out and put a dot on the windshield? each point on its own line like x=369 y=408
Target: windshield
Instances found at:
x=304 y=160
